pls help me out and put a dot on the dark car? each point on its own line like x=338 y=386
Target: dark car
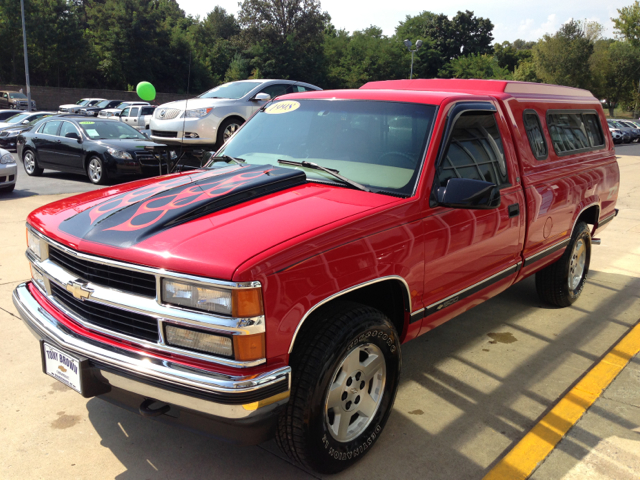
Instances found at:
x=96 y=109
x=9 y=134
x=4 y=114
x=101 y=149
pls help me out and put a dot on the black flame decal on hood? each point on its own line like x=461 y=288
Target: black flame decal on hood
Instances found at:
x=132 y=217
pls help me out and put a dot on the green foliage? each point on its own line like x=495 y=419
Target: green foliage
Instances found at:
x=475 y=66
x=510 y=55
x=445 y=39
x=615 y=67
x=627 y=25
x=563 y=58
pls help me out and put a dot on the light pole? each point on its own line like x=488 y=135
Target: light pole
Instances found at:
x=407 y=43
x=26 y=59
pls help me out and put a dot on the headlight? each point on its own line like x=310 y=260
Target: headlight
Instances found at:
x=37 y=277
x=197 y=112
x=7 y=158
x=33 y=244
x=119 y=154
x=239 y=303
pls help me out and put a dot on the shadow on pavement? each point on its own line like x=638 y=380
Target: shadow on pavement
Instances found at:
x=465 y=399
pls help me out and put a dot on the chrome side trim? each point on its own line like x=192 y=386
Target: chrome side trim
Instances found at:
x=548 y=251
x=343 y=292
x=42 y=323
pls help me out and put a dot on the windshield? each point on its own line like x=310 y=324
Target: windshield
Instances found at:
x=102 y=104
x=232 y=90
x=17 y=95
x=101 y=130
x=36 y=119
x=380 y=145
x=82 y=102
x=17 y=118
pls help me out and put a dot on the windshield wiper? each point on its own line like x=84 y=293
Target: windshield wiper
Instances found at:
x=227 y=158
x=330 y=171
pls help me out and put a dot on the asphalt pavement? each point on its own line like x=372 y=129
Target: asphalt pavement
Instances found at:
x=470 y=389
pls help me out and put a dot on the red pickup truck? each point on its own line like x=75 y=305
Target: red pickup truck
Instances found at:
x=269 y=292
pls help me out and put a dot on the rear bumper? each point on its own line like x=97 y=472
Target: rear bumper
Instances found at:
x=240 y=409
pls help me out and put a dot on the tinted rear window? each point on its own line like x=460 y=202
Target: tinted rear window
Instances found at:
x=573 y=132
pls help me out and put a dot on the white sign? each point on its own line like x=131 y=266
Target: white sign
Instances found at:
x=62 y=367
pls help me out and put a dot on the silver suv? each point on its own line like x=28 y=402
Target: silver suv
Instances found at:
x=211 y=118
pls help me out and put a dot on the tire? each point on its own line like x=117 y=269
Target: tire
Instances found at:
x=561 y=283
x=96 y=171
x=228 y=128
x=30 y=164
x=336 y=350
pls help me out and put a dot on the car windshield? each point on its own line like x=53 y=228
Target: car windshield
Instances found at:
x=36 y=118
x=122 y=105
x=17 y=95
x=17 y=118
x=82 y=102
x=102 y=104
x=103 y=130
x=380 y=145
x=232 y=90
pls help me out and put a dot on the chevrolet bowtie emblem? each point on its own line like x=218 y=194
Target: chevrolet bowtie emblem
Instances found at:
x=79 y=290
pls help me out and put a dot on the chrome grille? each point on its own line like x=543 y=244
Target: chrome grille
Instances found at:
x=166 y=113
x=119 y=278
x=115 y=319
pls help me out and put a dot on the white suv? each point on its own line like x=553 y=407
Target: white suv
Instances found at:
x=211 y=118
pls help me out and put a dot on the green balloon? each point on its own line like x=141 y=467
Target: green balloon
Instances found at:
x=146 y=91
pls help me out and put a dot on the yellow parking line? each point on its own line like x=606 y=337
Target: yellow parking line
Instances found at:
x=536 y=445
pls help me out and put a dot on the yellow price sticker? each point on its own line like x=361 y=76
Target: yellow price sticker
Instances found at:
x=282 y=107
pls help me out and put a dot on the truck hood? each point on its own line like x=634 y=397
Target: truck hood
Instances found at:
x=204 y=223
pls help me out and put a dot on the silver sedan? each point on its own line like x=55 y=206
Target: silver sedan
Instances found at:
x=211 y=118
x=8 y=172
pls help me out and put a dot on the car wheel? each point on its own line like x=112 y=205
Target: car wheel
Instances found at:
x=561 y=283
x=96 y=171
x=346 y=369
x=30 y=163
x=227 y=129
x=8 y=189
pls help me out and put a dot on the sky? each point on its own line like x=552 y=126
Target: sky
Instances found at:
x=513 y=19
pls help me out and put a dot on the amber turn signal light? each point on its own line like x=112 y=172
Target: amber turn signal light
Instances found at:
x=249 y=347
x=247 y=303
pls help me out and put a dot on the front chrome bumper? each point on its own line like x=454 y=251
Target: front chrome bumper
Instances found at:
x=229 y=398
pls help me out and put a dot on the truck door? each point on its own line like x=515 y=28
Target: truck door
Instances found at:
x=124 y=115
x=133 y=116
x=468 y=250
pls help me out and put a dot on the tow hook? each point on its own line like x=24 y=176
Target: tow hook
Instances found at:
x=145 y=411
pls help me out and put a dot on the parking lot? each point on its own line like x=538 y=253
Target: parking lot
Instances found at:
x=470 y=389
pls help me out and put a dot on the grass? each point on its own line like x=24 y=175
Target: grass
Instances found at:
x=619 y=113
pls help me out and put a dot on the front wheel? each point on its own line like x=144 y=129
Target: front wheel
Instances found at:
x=561 y=283
x=346 y=369
x=96 y=171
x=227 y=129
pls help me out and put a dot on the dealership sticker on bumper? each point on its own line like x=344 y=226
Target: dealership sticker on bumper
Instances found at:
x=62 y=367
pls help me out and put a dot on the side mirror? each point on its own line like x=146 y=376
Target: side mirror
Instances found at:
x=73 y=135
x=468 y=193
x=24 y=122
x=261 y=97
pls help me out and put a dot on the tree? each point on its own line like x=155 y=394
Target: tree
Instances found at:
x=563 y=58
x=509 y=55
x=616 y=70
x=445 y=39
x=627 y=25
x=283 y=38
x=475 y=66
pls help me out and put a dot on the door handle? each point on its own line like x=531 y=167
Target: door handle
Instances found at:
x=58 y=141
x=514 y=210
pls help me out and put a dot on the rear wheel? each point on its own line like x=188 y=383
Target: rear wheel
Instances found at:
x=561 y=283
x=346 y=369
x=30 y=163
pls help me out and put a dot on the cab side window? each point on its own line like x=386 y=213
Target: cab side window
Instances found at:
x=474 y=151
x=134 y=112
x=534 y=133
x=594 y=132
x=276 y=90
